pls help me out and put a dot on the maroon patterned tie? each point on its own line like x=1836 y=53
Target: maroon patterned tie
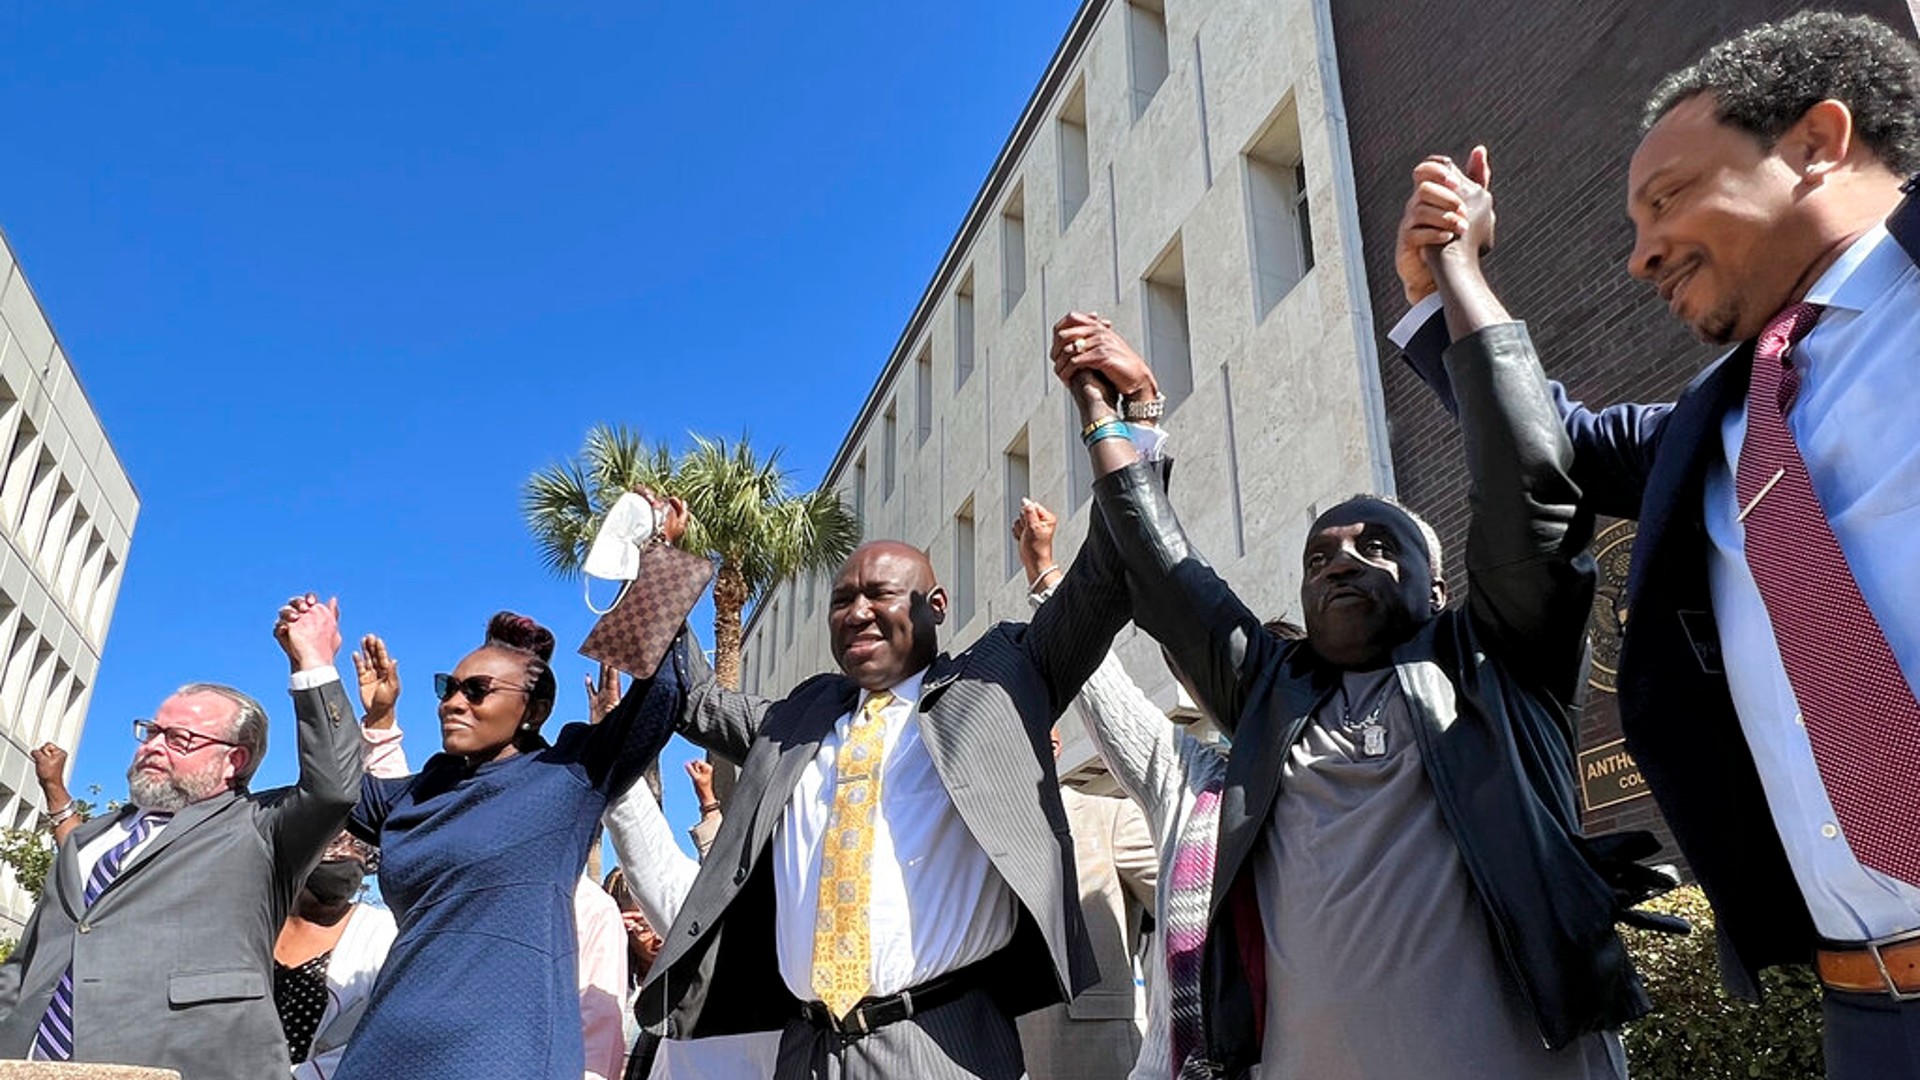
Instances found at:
x=1859 y=711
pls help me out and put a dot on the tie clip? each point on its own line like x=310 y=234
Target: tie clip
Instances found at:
x=1761 y=494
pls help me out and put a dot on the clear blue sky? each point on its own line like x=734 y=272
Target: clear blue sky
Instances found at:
x=337 y=280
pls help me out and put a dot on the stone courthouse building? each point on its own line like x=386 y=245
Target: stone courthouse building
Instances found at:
x=1223 y=179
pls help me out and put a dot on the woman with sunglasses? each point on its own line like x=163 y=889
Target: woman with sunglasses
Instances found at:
x=480 y=853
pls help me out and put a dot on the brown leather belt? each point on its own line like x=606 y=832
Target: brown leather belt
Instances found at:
x=1888 y=966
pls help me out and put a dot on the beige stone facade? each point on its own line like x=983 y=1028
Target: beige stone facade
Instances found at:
x=1155 y=177
x=67 y=512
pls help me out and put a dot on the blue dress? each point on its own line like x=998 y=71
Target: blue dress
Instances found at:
x=479 y=866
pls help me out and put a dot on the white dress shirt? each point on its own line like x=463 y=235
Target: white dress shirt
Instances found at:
x=1854 y=422
x=97 y=848
x=936 y=903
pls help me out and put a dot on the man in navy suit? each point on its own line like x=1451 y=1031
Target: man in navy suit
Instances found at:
x=1768 y=670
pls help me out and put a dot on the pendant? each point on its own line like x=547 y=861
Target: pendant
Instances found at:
x=1373 y=740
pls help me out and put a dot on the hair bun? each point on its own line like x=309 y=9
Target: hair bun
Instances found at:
x=520 y=632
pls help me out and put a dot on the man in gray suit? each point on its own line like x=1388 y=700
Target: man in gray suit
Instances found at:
x=894 y=881
x=153 y=943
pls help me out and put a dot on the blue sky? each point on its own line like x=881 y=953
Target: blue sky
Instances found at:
x=337 y=280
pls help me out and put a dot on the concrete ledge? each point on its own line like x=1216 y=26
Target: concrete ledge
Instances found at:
x=80 y=1070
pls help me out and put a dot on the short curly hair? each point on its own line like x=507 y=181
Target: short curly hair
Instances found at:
x=1764 y=80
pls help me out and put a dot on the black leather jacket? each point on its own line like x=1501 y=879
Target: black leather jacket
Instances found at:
x=1491 y=684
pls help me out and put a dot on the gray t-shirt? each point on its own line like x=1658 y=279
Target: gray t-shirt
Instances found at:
x=1380 y=962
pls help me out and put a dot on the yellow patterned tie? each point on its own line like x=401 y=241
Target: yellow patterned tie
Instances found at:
x=842 y=951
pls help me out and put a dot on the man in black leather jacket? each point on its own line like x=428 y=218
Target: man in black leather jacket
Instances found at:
x=1400 y=886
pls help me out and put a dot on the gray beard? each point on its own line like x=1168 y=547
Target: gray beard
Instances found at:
x=173 y=793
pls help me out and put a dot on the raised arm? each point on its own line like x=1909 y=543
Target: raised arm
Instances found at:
x=657 y=871
x=1129 y=732
x=1614 y=447
x=717 y=719
x=50 y=769
x=1175 y=595
x=1531 y=581
x=301 y=820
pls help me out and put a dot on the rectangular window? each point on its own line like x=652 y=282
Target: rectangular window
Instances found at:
x=1013 y=250
x=1076 y=177
x=1277 y=212
x=923 y=395
x=18 y=481
x=860 y=491
x=1146 y=51
x=1168 y=346
x=963 y=331
x=889 y=450
x=1019 y=485
x=963 y=565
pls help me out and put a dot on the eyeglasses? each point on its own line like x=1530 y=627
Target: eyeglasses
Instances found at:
x=474 y=688
x=179 y=740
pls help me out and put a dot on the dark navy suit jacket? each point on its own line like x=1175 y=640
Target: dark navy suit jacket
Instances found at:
x=1650 y=462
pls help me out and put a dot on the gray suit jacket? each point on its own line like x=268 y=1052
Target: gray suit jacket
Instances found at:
x=984 y=716
x=173 y=964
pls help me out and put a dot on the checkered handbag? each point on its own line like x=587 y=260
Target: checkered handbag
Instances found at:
x=636 y=632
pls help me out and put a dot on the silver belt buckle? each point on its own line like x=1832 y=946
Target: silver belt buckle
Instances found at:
x=1880 y=961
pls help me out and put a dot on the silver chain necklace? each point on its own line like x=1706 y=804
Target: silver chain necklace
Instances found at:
x=1372 y=733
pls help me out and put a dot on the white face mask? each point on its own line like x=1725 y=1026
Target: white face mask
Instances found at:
x=615 y=554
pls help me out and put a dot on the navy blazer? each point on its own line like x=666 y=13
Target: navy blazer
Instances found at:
x=1650 y=462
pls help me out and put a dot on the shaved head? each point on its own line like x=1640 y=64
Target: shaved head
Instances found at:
x=884 y=614
x=898 y=549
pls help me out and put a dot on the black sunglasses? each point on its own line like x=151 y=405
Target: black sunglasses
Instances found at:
x=474 y=688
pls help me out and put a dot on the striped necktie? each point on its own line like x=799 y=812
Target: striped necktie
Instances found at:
x=1860 y=714
x=54 y=1040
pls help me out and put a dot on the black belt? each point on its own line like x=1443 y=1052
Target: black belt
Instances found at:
x=873 y=1013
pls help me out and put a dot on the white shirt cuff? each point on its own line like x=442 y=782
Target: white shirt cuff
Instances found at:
x=313 y=678
x=1149 y=442
x=1413 y=320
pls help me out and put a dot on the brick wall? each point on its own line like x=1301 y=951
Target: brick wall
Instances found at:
x=1554 y=88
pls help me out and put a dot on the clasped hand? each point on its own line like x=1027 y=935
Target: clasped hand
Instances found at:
x=1447 y=204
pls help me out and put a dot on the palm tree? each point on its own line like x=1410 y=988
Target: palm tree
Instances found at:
x=743 y=509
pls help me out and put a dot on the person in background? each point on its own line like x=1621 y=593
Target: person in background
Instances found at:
x=1096 y=1036
x=327 y=957
x=708 y=827
x=656 y=874
x=603 y=977
x=153 y=942
x=1176 y=780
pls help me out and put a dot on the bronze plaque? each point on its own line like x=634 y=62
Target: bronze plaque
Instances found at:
x=1612 y=556
x=1608 y=775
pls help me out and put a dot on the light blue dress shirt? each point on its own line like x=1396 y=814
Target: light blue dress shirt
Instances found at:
x=1857 y=421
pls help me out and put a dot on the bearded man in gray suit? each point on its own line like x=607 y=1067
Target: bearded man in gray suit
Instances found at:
x=153 y=943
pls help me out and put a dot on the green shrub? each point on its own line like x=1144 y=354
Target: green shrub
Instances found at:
x=1696 y=1031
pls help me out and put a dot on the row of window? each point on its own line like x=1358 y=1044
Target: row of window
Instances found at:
x=38 y=689
x=1281 y=253
x=42 y=510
